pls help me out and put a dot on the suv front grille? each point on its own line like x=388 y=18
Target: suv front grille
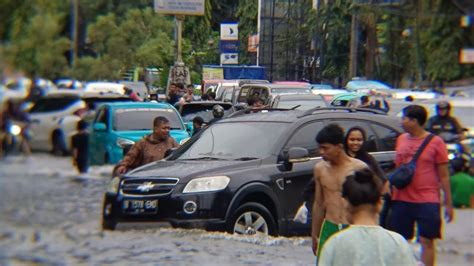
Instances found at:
x=148 y=187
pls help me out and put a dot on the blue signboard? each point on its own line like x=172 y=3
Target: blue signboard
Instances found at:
x=229 y=46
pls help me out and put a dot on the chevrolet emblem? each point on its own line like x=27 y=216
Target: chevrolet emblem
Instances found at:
x=145 y=187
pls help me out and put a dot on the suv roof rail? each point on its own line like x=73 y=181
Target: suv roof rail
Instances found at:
x=347 y=109
x=256 y=110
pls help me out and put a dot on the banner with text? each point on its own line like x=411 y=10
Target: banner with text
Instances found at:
x=180 y=7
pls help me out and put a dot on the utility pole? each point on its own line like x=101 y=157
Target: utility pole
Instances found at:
x=179 y=38
x=75 y=7
x=354 y=45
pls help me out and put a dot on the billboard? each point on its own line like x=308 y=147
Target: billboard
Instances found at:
x=229 y=46
x=229 y=31
x=229 y=58
x=180 y=7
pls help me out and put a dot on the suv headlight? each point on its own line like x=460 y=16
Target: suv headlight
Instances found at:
x=207 y=184
x=113 y=185
x=122 y=143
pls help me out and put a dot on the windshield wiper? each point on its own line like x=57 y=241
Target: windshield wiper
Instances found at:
x=246 y=158
x=204 y=158
x=294 y=107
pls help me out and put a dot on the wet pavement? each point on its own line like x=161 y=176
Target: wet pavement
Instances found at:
x=48 y=216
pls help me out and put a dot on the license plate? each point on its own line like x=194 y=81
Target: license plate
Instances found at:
x=140 y=206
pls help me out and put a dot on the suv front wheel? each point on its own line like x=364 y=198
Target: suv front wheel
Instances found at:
x=252 y=219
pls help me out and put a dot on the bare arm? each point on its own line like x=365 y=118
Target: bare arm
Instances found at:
x=132 y=159
x=318 y=212
x=443 y=173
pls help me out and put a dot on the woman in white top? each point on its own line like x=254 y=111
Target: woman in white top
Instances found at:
x=365 y=242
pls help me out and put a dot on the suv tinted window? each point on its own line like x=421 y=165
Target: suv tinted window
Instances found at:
x=305 y=137
x=370 y=143
x=52 y=104
x=387 y=137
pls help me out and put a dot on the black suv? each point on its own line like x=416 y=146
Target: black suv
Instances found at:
x=244 y=174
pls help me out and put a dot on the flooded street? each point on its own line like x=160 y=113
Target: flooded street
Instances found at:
x=50 y=217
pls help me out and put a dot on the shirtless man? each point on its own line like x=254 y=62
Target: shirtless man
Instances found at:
x=329 y=214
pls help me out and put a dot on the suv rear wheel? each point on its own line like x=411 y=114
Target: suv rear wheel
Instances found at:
x=252 y=219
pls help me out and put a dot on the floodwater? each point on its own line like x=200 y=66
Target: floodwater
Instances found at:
x=48 y=216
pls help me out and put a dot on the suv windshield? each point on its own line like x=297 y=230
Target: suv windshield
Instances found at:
x=142 y=118
x=234 y=141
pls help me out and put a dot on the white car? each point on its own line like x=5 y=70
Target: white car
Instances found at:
x=46 y=115
x=105 y=87
x=54 y=117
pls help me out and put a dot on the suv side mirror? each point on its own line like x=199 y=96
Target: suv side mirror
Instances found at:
x=298 y=155
x=99 y=127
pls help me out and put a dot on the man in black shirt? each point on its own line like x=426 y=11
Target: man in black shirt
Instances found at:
x=443 y=122
x=80 y=142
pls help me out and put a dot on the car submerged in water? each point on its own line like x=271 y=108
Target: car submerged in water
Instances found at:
x=244 y=174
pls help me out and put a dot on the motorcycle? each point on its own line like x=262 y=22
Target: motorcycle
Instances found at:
x=14 y=136
x=456 y=150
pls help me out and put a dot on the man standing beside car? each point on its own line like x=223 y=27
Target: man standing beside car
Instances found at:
x=420 y=200
x=329 y=214
x=149 y=149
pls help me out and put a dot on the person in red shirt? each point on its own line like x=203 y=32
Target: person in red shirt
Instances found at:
x=420 y=201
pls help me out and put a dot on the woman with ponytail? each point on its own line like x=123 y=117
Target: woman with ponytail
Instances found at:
x=365 y=242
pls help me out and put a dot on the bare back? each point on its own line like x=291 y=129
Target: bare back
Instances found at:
x=329 y=179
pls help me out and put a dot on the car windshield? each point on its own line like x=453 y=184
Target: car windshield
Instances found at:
x=233 y=141
x=44 y=105
x=142 y=118
x=302 y=104
x=291 y=90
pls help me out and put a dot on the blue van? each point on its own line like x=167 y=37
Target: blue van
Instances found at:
x=120 y=124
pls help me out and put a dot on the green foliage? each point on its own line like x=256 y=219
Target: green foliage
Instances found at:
x=247 y=14
x=141 y=38
x=35 y=44
x=442 y=41
x=331 y=28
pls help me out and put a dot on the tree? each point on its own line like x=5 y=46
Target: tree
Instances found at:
x=247 y=12
x=35 y=44
x=143 y=38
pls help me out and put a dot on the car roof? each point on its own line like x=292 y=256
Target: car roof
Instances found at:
x=83 y=94
x=206 y=103
x=139 y=105
x=294 y=116
x=299 y=96
x=275 y=86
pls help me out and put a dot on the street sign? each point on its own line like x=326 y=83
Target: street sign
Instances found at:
x=180 y=7
x=253 y=42
x=229 y=58
x=229 y=31
x=466 y=56
x=229 y=46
